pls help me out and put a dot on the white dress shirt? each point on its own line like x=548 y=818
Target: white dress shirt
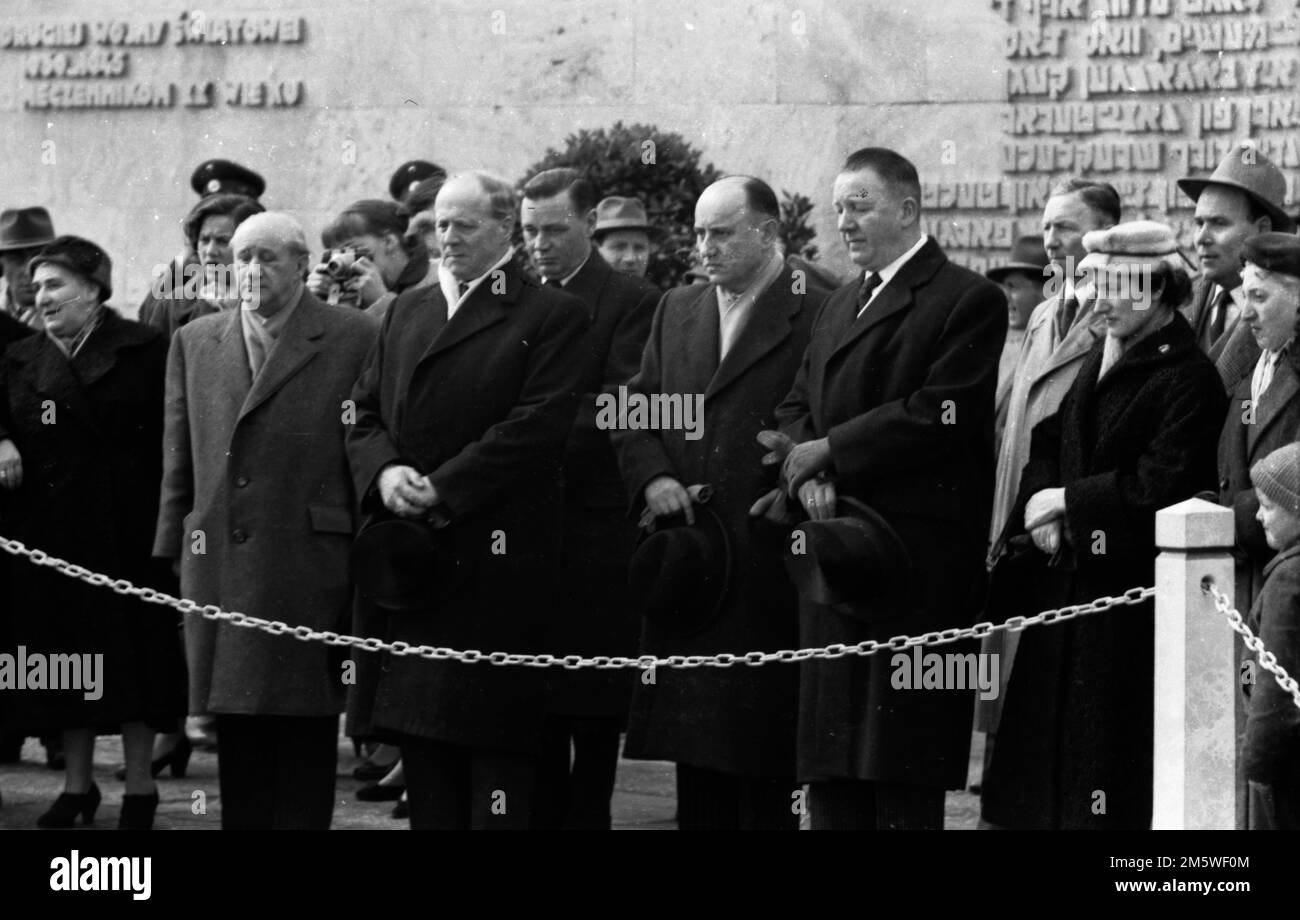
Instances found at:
x=734 y=309
x=1264 y=369
x=451 y=287
x=892 y=269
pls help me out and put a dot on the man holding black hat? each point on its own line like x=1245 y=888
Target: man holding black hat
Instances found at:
x=1243 y=197
x=463 y=410
x=893 y=406
x=708 y=579
x=587 y=710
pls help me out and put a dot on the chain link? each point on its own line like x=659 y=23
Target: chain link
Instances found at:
x=862 y=649
x=1267 y=660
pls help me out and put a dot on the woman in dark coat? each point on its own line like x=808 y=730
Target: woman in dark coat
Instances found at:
x=207 y=285
x=1136 y=433
x=80 y=468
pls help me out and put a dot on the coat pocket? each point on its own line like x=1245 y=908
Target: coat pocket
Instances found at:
x=331 y=519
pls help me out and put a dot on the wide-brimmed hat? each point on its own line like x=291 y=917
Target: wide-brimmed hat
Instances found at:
x=1246 y=169
x=617 y=213
x=214 y=177
x=1027 y=255
x=81 y=257
x=25 y=228
x=856 y=563
x=678 y=573
x=404 y=564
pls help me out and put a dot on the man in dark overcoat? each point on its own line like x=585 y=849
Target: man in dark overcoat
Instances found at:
x=587 y=710
x=463 y=410
x=257 y=506
x=893 y=406
x=1135 y=434
x=736 y=343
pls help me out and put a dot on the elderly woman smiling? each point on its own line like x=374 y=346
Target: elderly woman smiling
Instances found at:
x=1136 y=432
x=80 y=469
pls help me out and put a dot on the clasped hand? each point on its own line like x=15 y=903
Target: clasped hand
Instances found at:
x=405 y=492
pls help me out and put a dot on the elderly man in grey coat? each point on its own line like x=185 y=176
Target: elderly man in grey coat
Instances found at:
x=257 y=507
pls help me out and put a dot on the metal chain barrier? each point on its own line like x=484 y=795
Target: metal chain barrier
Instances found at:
x=1267 y=660
x=571 y=662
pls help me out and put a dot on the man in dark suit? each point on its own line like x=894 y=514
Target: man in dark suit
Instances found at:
x=257 y=506
x=587 y=710
x=1243 y=197
x=463 y=410
x=893 y=406
x=735 y=343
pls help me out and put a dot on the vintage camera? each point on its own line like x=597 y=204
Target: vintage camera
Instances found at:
x=340 y=264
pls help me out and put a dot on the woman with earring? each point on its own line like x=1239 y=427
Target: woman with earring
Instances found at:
x=81 y=410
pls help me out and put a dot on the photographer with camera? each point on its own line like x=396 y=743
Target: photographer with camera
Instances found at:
x=369 y=259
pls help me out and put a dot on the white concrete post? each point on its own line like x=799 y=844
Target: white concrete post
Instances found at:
x=1196 y=670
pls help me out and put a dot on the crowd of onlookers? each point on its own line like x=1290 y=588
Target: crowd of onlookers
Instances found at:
x=396 y=435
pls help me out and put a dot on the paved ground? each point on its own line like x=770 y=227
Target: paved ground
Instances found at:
x=643 y=799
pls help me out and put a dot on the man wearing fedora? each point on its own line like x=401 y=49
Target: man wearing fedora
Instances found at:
x=623 y=235
x=587 y=710
x=257 y=507
x=1241 y=198
x=1057 y=338
x=707 y=579
x=893 y=407
x=23 y=233
x=463 y=411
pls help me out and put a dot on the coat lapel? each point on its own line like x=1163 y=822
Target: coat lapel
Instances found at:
x=298 y=343
x=699 y=332
x=1084 y=334
x=767 y=327
x=235 y=375
x=1272 y=401
x=894 y=296
x=53 y=377
x=479 y=311
x=588 y=285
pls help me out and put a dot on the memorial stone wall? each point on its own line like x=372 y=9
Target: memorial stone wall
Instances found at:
x=110 y=104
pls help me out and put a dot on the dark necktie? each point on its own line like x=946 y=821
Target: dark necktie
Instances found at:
x=1218 y=317
x=463 y=288
x=869 y=285
x=555 y=283
x=1065 y=316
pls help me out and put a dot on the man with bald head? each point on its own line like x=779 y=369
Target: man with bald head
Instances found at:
x=735 y=343
x=257 y=510
x=463 y=410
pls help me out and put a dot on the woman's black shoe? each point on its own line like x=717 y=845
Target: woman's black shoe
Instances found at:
x=64 y=811
x=377 y=793
x=178 y=758
x=402 y=810
x=369 y=771
x=137 y=812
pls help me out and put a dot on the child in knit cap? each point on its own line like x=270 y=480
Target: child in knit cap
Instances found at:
x=1271 y=754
